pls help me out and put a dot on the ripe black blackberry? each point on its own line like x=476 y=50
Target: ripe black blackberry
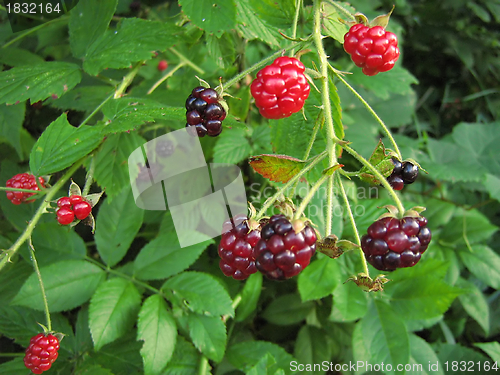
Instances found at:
x=236 y=248
x=404 y=173
x=204 y=113
x=282 y=252
x=391 y=243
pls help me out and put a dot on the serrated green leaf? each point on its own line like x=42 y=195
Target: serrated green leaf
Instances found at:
x=82 y=98
x=349 y=303
x=61 y=145
x=68 y=284
x=264 y=366
x=113 y=311
x=249 y=297
x=11 y=123
x=118 y=222
x=222 y=49
x=83 y=337
x=38 y=82
x=491 y=348
x=312 y=346
x=87 y=22
x=319 y=279
x=287 y=309
x=134 y=40
x=278 y=14
x=156 y=327
x=163 y=256
x=475 y=303
x=462 y=355
x=232 y=147
x=198 y=289
x=245 y=355
x=332 y=27
x=253 y=27
x=214 y=17
x=422 y=357
x=492 y=185
x=278 y=168
x=208 y=334
x=472 y=225
x=113 y=156
x=484 y=263
x=385 y=336
x=185 y=359
x=13 y=56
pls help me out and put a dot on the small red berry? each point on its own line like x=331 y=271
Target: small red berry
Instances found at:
x=22 y=181
x=372 y=48
x=281 y=88
x=162 y=65
x=41 y=353
x=64 y=202
x=82 y=210
x=75 y=199
x=65 y=215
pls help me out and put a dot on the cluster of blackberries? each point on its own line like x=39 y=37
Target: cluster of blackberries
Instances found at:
x=404 y=173
x=204 y=114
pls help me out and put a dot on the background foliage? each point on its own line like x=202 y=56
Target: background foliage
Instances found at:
x=131 y=301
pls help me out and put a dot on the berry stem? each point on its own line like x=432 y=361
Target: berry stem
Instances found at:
x=261 y=63
x=342 y=9
x=36 y=192
x=8 y=254
x=96 y=110
x=166 y=76
x=379 y=176
x=370 y=109
x=309 y=196
x=353 y=223
x=40 y=282
x=89 y=178
x=329 y=206
x=298 y=6
x=279 y=193
x=204 y=367
x=127 y=80
x=186 y=61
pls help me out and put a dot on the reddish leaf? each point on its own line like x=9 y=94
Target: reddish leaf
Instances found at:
x=278 y=168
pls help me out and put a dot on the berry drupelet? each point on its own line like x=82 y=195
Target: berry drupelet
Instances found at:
x=41 y=353
x=23 y=181
x=204 y=113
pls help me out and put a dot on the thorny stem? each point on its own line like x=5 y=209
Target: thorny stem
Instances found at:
x=309 y=196
x=185 y=60
x=127 y=80
x=279 y=193
x=353 y=223
x=370 y=109
x=40 y=282
x=379 y=176
x=90 y=177
x=298 y=6
x=165 y=77
x=270 y=58
x=38 y=214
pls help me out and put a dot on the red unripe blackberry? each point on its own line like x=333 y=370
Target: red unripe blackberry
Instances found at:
x=391 y=243
x=22 y=181
x=281 y=88
x=236 y=248
x=373 y=49
x=41 y=353
x=65 y=215
x=204 y=113
x=281 y=253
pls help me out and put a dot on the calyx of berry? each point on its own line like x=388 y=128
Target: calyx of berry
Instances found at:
x=367 y=284
x=332 y=247
x=382 y=20
x=381 y=159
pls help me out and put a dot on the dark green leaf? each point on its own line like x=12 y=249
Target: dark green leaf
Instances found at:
x=84 y=98
x=12 y=278
x=287 y=309
x=134 y=40
x=61 y=145
x=232 y=147
x=68 y=284
x=156 y=327
x=331 y=25
x=319 y=279
x=472 y=225
x=222 y=50
x=113 y=310
x=94 y=370
x=461 y=355
x=163 y=256
x=117 y=224
x=214 y=17
x=14 y=367
x=312 y=347
x=198 y=289
x=475 y=303
x=13 y=56
x=349 y=303
x=87 y=22
x=11 y=123
x=484 y=263
x=252 y=26
x=208 y=334
x=422 y=357
x=491 y=348
x=184 y=360
x=38 y=82
x=249 y=297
